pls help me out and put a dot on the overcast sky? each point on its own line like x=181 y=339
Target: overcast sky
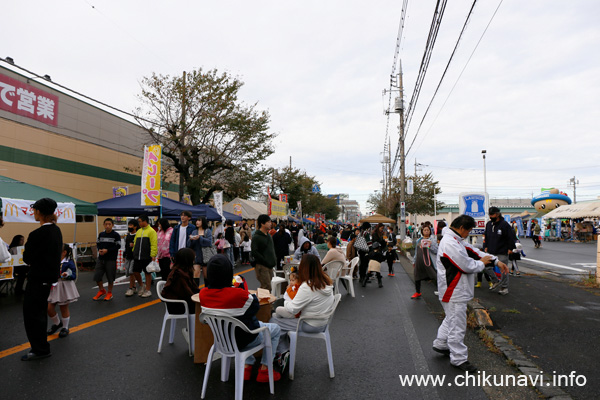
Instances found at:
x=529 y=94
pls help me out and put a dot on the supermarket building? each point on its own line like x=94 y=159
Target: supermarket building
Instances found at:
x=57 y=141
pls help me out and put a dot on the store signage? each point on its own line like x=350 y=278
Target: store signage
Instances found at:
x=14 y=210
x=151 y=175
x=28 y=101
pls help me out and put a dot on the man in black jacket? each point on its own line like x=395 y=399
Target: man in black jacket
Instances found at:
x=499 y=240
x=42 y=253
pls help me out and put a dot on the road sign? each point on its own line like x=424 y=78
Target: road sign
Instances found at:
x=316 y=188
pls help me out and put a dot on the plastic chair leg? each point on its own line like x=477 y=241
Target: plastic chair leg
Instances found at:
x=269 y=351
x=207 y=371
x=162 y=333
x=225 y=366
x=192 y=333
x=239 y=377
x=329 y=354
x=351 y=286
x=293 y=340
x=172 y=331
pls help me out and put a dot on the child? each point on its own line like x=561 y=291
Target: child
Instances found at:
x=246 y=248
x=132 y=227
x=289 y=295
x=376 y=257
x=219 y=243
x=514 y=256
x=108 y=246
x=391 y=255
x=425 y=267
x=62 y=293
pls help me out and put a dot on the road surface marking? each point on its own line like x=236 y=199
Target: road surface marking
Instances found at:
x=85 y=325
x=555 y=265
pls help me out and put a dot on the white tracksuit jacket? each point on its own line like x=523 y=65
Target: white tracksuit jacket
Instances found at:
x=456 y=263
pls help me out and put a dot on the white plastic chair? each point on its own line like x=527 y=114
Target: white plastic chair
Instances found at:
x=223 y=329
x=190 y=320
x=349 y=270
x=333 y=269
x=319 y=335
x=277 y=281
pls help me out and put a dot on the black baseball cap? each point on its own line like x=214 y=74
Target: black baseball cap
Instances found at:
x=46 y=206
x=493 y=210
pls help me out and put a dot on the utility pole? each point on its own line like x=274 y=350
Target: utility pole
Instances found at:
x=399 y=108
x=574 y=182
x=389 y=175
x=183 y=133
x=290 y=163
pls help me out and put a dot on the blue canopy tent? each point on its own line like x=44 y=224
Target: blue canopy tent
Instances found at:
x=211 y=213
x=130 y=206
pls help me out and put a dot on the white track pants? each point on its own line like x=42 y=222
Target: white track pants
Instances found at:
x=451 y=334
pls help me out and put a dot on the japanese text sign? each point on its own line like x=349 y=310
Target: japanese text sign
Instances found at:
x=28 y=101
x=151 y=175
x=20 y=211
x=277 y=208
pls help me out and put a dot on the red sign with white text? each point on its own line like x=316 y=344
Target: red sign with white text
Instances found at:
x=28 y=101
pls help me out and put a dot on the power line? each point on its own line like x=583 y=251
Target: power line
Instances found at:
x=461 y=73
x=443 y=75
x=429 y=44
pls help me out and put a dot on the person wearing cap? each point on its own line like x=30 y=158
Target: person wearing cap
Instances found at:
x=499 y=240
x=43 y=251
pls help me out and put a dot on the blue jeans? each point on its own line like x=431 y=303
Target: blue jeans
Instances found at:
x=229 y=253
x=275 y=332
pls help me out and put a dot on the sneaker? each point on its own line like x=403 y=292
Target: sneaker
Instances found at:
x=54 y=328
x=141 y=291
x=511 y=273
x=130 y=292
x=99 y=294
x=478 y=284
x=248 y=372
x=108 y=297
x=147 y=293
x=416 y=296
x=490 y=285
x=503 y=292
x=467 y=367
x=518 y=274
x=445 y=352
x=263 y=375
x=63 y=333
x=283 y=361
x=389 y=274
x=494 y=285
x=392 y=274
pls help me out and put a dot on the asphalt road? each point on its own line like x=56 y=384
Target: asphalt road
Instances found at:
x=377 y=336
x=569 y=259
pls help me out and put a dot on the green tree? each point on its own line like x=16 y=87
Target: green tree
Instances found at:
x=419 y=203
x=210 y=138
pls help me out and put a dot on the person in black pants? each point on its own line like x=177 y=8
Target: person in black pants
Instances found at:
x=43 y=254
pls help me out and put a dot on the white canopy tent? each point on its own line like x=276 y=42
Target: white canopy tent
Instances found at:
x=580 y=210
x=250 y=209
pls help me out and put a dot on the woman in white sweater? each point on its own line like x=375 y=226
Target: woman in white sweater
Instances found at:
x=314 y=298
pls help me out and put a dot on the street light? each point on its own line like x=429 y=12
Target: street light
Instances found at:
x=483 y=152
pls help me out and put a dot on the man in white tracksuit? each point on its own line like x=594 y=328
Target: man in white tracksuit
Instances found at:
x=457 y=262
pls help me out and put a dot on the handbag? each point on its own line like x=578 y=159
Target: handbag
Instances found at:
x=361 y=244
x=208 y=253
x=153 y=267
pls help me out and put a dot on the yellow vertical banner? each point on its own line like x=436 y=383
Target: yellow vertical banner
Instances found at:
x=151 y=175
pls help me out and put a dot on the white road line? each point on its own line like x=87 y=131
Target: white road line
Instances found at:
x=555 y=265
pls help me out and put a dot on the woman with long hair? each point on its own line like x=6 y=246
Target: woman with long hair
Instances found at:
x=180 y=284
x=164 y=239
x=201 y=241
x=314 y=298
x=425 y=268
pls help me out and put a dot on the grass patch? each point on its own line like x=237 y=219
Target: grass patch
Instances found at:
x=492 y=309
x=511 y=310
x=590 y=281
x=488 y=341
